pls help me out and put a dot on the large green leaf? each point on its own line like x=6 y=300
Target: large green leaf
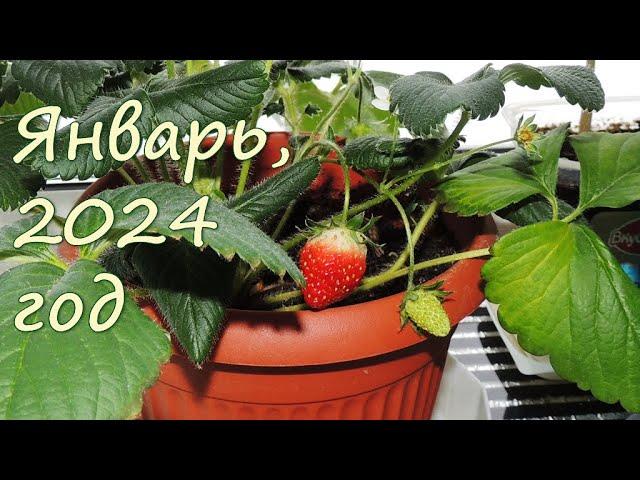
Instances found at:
x=25 y=103
x=490 y=185
x=69 y=84
x=9 y=234
x=382 y=153
x=375 y=121
x=425 y=99
x=306 y=70
x=545 y=162
x=264 y=200
x=500 y=181
x=565 y=295
x=191 y=289
x=380 y=78
x=226 y=94
x=235 y=234
x=18 y=183
x=609 y=168
x=575 y=83
x=102 y=109
x=78 y=374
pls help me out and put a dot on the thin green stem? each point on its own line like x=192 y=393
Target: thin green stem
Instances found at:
x=347 y=192
x=164 y=170
x=244 y=176
x=369 y=283
x=283 y=220
x=171 y=69
x=410 y=244
x=426 y=217
x=554 y=207
x=143 y=172
x=372 y=282
x=573 y=215
x=253 y=122
x=127 y=178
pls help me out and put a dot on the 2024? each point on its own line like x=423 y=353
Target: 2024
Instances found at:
x=133 y=236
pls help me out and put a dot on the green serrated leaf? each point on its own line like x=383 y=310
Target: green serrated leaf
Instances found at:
x=235 y=234
x=545 y=162
x=609 y=168
x=382 y=153
x=226 y=94
x=579 y=85
x=69 y=84
x=495 y=183
x=383 y=79
x=25 y=103
x=138 y=65
x=102 y=109
x=191 y=289
x=490 y=185
x=264 y=200
x=78 y=374
x=565 y=295
x=424 y=100
x=306 y=70
x=18 y=183
x=30 y=251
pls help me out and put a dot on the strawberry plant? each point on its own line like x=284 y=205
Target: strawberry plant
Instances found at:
x=177 y=235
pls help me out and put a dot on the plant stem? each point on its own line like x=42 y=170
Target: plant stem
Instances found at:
x=171 y=69
x=378 y=199
x=143 y=172
x=573 y=215
x=368 y=283
x=283 y=220
x=253 y=122
x=372 y=282
x=410 y=244
x=586 y=116
x=455 y=158
x=427 y=215
x=127 y=178
x=164 y=170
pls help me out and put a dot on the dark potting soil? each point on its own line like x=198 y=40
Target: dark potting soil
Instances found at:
x=612 y=127
x=388 y=233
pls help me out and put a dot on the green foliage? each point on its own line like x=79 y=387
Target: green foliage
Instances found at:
x=425 y=99
x=77 y=374
x=69 y=84
x=226 y=94
x=498 y=182
x=235 y=234
x=191 y=289
x=564 y=294
x=535 y=209
x=579 y=85
x=306 y=70
x=268 y=198
x=382 y=153
x=18 y=183
x=609 y=169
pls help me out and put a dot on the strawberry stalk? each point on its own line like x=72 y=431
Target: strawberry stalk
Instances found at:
x=369 y=283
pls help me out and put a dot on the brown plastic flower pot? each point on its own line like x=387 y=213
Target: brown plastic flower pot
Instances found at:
x=351 y=362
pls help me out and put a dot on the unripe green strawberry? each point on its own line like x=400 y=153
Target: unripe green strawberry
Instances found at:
x=424 y=308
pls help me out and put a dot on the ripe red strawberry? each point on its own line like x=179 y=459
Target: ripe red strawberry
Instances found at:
x=333 y=263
